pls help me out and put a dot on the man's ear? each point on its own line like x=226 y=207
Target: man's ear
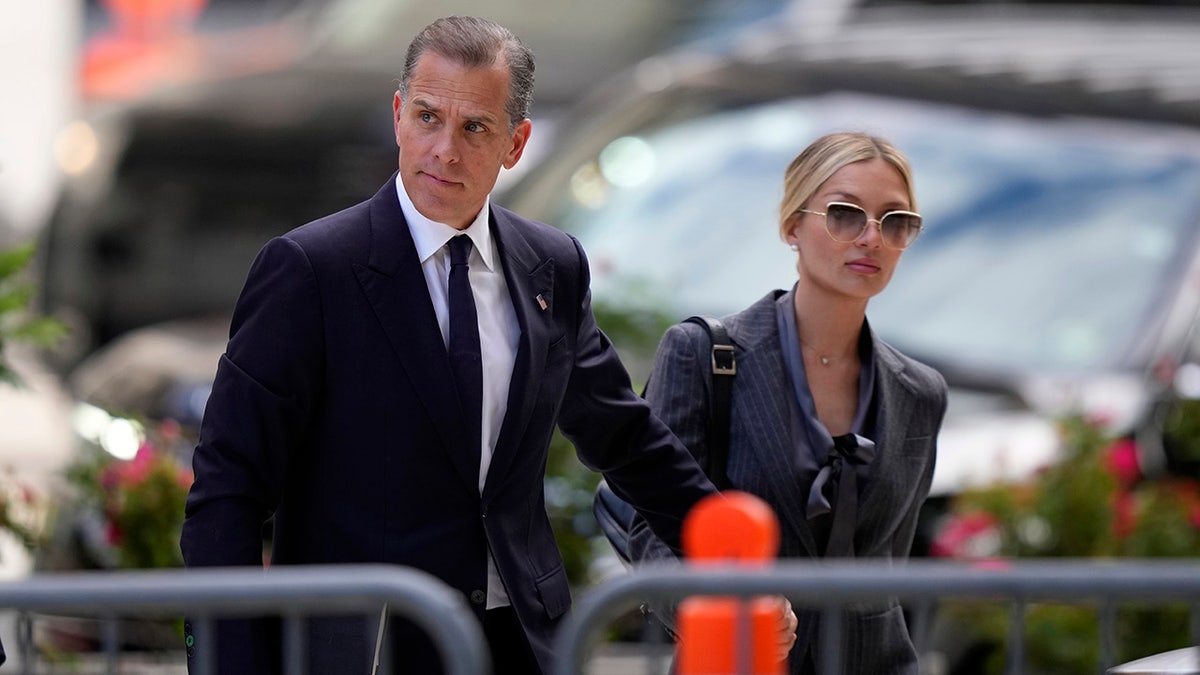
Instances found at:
x=397 y=104
x=519 y=139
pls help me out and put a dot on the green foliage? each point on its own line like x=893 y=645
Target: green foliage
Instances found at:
x=16 y=322
x=141 y=499
x=1094 y=503
x=1181 y=436
x=21 y=511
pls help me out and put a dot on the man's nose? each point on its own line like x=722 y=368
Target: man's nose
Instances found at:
x=445 y=146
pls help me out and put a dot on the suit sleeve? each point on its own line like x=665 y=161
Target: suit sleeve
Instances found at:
x=678 y=394
x=264 y=386
x=615 y=433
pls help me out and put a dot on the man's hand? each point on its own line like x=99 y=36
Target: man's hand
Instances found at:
x=787 y=628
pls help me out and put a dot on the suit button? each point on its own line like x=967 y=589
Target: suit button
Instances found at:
x=478 y=597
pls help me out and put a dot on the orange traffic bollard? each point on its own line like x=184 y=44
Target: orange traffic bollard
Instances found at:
x=726 y=635
x=731 y=527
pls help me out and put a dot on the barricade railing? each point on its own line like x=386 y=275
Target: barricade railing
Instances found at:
x=295 y=593
x=292 y=593
x=919 y=584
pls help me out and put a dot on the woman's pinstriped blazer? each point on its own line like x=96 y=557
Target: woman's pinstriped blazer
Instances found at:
x=910 y=401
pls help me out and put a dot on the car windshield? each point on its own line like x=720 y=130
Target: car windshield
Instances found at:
x=1047 y=242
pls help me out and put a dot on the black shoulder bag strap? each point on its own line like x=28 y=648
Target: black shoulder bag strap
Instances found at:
x=724 y=367
x=614 y=515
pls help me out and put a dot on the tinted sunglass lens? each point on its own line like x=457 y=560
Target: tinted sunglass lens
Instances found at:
x=844 y=222
x=901 y=229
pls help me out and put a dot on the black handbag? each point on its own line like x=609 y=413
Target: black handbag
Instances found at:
x=615 y=515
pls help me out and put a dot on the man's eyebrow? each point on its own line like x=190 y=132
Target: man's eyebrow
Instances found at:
x=425 y=105
x=482 y=118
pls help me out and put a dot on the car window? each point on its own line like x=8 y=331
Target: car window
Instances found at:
x=1049 y=242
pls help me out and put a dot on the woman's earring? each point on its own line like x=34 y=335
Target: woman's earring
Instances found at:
x=794 y=247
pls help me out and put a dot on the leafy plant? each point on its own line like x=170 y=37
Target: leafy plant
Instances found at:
x=141 y=500
x=17 y=323
x=1181 y=437
x=22 y=511
x=1094 y=503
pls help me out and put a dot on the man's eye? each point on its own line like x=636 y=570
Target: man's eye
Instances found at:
x=426 y=117
x=474 y=127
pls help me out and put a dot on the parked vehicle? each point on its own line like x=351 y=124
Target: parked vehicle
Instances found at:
x=1058 y=174
x=232 y=136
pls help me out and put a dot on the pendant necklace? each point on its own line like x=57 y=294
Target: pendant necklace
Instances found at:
x=825 y=360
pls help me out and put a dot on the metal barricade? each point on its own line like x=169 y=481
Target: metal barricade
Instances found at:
x=290 y=592
x=295 y=593
x=920 y=583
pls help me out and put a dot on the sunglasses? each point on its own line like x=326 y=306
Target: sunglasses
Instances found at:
x=847 y=222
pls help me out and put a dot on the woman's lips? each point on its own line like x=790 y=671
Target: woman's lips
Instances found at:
x=863 y=266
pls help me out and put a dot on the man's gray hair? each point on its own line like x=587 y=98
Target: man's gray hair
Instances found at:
x=476 y=43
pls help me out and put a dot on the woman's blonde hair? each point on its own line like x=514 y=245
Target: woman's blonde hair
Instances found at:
x=823 y=157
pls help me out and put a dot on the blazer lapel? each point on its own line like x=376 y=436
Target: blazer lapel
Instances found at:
x=530 y=282
x=895 y=410
x=769 y=449
x=395 y=286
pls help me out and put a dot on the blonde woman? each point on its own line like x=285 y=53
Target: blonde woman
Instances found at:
x=830 y=425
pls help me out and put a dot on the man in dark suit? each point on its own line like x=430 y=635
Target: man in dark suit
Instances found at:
x=338 y=408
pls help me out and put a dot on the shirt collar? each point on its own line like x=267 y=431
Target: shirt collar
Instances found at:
x=430 y=236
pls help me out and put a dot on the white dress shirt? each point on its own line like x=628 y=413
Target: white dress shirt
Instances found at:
x=498 y=327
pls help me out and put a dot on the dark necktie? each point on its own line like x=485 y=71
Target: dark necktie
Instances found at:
x=466 y=360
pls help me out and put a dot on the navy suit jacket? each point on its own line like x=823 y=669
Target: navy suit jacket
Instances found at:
x=334 y=410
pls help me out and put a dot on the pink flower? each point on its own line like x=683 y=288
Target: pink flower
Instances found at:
x=1121 y=460
x=135 y=471
x=956 y=538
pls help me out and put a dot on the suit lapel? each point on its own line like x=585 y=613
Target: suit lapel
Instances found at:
x=395 y=287
x=895 y=409
x=530 y=282
x=764 y=398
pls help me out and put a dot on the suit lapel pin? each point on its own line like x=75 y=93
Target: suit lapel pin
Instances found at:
x=541 y=302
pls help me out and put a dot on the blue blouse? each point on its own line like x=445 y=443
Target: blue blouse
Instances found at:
x=815 y=440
